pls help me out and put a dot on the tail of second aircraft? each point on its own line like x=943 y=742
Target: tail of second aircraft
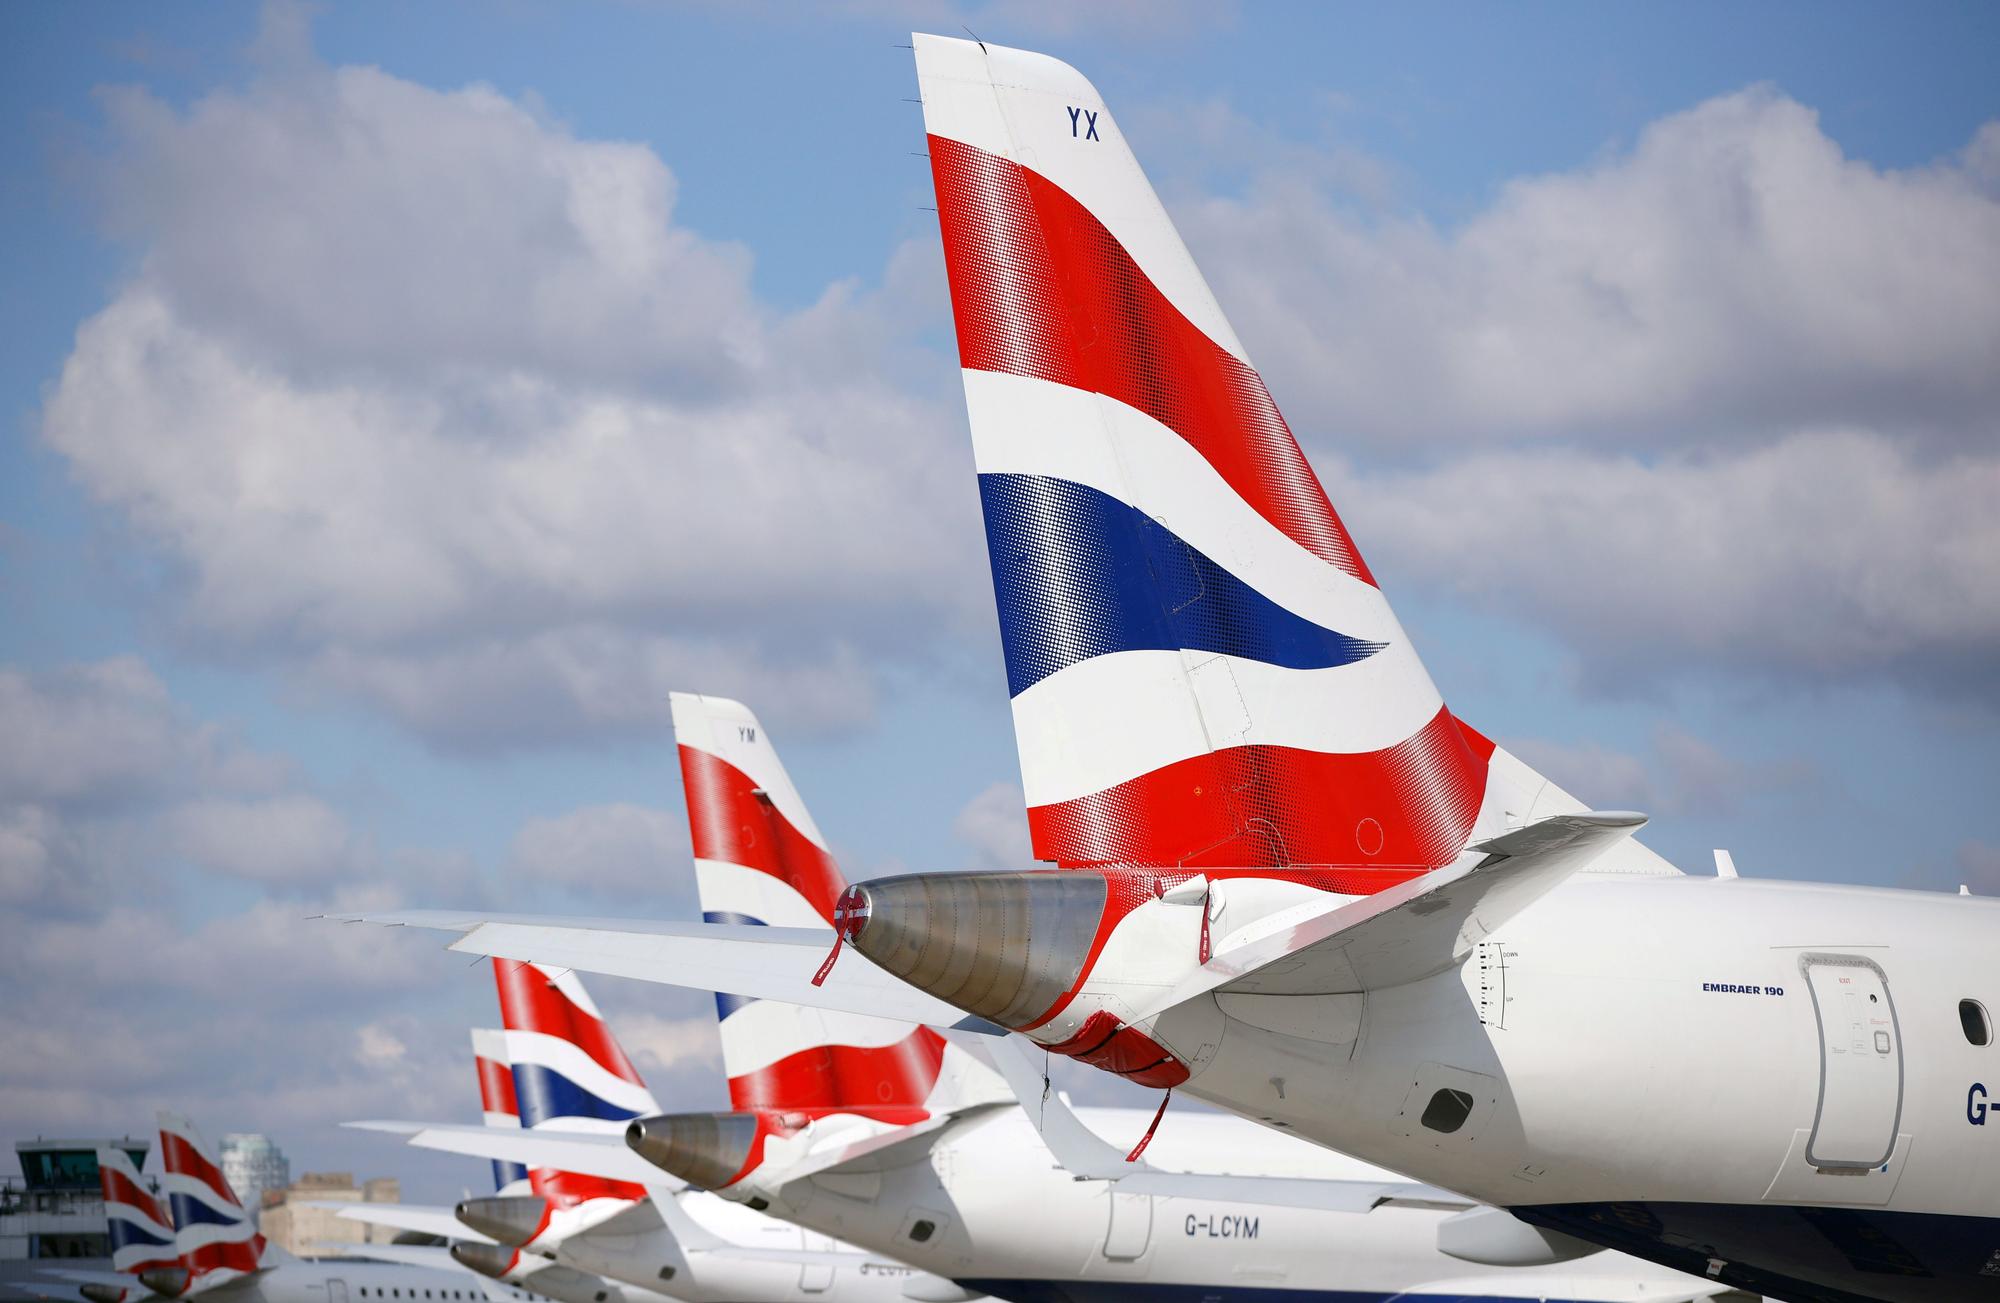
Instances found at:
x=759 y=858
x=569 y=1073
x=141 y=1230
x=497 y=1105
x=214 y=1235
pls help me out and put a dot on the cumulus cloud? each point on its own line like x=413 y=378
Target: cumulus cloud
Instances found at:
x=292 y=837
x=104 y=772
x=619 y=850
x=1010 y=20
x=1733 y=270
x=994 y=825
x=1826 y=555
x=431 y=400
x=1719 y=400
x=104 y=731
x=1678 y=774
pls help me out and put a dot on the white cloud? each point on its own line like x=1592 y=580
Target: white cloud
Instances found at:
x=668 y=1046
x=1678 y=774
x=428 y=398
x=994 y=824
x=1732 y=270
x=292 y=837
x=1822 y=555
x=619 y=850
x=106 y=731
x=1009 y=21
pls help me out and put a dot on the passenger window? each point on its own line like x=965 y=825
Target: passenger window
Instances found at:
x=1447 y=1111
x=1972 y=1017
x=666 y=1273
x=922 y=1229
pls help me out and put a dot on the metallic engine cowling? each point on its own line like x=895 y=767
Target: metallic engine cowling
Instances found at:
x=96 y=1293
x=1004 y=946
x=493 y=1260
x=707 y=1150
x=510 y=1219
x=168 y=1282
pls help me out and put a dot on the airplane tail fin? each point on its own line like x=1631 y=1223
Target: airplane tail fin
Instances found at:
x=569 y=1071
x=214 y=1234
x=141 y=1229
x=759 y=858
x=1203 y=670
x=497 y=1105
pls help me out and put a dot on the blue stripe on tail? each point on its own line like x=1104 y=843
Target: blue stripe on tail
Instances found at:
x=544 y=1093
x=725 y=1003
x=1080 y=574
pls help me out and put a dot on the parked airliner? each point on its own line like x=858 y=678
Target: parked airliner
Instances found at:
x=1289 y=880
x=887 y=1135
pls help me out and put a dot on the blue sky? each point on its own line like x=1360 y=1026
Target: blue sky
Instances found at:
x=320 y=585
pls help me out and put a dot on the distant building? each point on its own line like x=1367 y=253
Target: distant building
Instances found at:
x=291 y=1222
x=55 y=1209
x=253 y=1165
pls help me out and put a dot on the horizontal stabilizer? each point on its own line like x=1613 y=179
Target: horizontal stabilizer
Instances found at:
x=1428 y=924
x=880 y=1151
x=761 y=963
x=423 y=1219
x=1088 y=1156
x=588 y=1152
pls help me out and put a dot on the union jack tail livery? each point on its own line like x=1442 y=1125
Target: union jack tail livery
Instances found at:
x=1214 y=705
x=569 y=1073
x=760 y=859
x=1203 y=670
x=215 y=1236
x=142 y=1231
x=496 y=1102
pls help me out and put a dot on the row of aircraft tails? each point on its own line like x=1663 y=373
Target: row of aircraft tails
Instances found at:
x=1470 y=1038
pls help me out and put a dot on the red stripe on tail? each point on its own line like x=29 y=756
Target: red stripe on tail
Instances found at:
x=829 y=1076
x=1411 y=806
x=530 y=1002
x=118 y=1188
x=730 y=823
x=496 y=1086
x=1040 y=288
x=183 y=1159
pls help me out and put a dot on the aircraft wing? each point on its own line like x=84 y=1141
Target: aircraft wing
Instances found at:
x=425 y=1220
x=587 y=1152
x=761 y=963
x=1087 y=1156
x=1413 y=930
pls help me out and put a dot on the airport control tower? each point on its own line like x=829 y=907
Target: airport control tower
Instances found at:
x=54 y=1209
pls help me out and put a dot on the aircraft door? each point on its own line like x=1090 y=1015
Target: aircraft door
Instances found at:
x=336 y=1291
x=1130 y=1228
x=1860 y=1063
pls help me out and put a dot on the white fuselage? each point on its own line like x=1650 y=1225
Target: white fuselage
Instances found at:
x=988 y=1207
x=638 y=1250
x=1662 y=1041
x=354 y=1280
